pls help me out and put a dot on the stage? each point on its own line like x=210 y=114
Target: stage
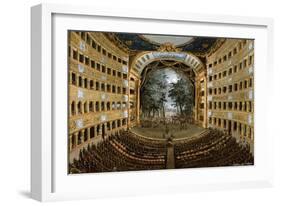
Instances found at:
x=189 y=131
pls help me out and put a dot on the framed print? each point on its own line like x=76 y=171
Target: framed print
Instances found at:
x=137 y=103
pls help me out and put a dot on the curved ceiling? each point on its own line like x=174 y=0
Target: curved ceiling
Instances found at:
x=145 y=42
x=145 y=58
x=162 y=39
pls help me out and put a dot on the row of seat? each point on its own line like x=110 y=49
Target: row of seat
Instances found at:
x=120 y=152
x=126 y=151
x=213 y=149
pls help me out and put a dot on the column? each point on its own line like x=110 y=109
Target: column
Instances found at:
x=83 y=85
x=138 y=103
x=77 y=81
x=77 y=108
x=75 y=139
x=205 y=102
x=89 y=134
x=85 y=136
x=196 y=99
x=100 y=129
x=252 y=133
x=69 y=109
x=108 y=130
x=88 y=106
x=110 y=108
x=242 y=131
x=232 y=128
x=82 y=136
x=249 y=106
x=70 y=142
x=227 y=126
x=248 y=133
x=129 y=108
x=105 y=128
x=86 y=83
x=82 y=107
x=70 y=78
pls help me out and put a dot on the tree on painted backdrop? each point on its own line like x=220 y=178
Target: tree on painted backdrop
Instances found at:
x=154 y=95
x=181 y=93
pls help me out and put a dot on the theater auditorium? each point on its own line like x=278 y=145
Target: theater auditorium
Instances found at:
x=151 y=102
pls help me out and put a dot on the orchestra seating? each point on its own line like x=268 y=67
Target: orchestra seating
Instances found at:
x=213 y=148
x=126 y=151
x=121 y=152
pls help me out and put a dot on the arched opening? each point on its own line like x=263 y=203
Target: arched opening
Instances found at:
x=229 y=126
x=108 y=106
x=102 y=106
x=91 y=106
x=91 y=84
x=79 y=107
x=85 y=83
x=187 y=65
x=92 y=132
x=113 y=89
x=108 y=126
x=85 y=135
x=73 y=78
x=97 y=107
x=80 y=82
x=73 y=108
x=124 y=105
x=79 y=137
x=113 y=125
x=85 y=107
x=103 y=131
x=102 y=87
x=97 y=86
x=113 y=106
x=73 y=141
x=118 y=105
x=98 y=129
x=123 y=122
x=166 y=92
x=108 y=88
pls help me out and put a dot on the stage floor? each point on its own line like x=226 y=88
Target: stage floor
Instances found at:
x=157 y=132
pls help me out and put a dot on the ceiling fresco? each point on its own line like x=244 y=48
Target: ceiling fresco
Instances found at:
x=162 y=39
x=137 y=42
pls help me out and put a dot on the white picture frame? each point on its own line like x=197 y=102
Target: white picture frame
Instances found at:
x=49 y=179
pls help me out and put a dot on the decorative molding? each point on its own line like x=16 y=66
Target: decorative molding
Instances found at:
x=168 y=47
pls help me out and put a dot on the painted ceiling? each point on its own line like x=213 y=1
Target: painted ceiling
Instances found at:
x=137 y=42
x=162 y=39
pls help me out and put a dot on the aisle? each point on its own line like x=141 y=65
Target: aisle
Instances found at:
x=170 y=164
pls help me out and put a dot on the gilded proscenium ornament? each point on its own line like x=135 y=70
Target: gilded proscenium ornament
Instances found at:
x=168 y=47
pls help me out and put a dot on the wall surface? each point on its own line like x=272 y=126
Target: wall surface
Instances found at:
x=15 y=102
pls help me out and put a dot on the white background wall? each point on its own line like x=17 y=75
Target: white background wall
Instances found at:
x=15 y=100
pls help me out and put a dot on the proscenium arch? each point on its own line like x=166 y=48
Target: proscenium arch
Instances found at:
x=141 y=61
x=184 y=71
x=179 y=67
x=145 y=58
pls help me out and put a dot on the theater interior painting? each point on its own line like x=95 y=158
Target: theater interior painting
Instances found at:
x=152 y=102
